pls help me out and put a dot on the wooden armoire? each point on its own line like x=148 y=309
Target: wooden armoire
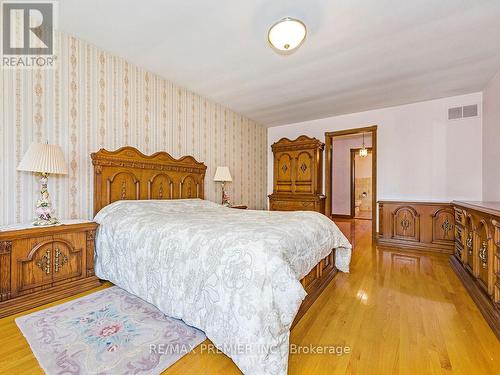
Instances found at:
x=298 y=175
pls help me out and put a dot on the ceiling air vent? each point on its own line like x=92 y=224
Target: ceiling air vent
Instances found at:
x=470 y=110
x=462 y=112
x=454 y=113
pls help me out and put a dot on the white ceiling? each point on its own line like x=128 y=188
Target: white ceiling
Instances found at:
x=358 y=55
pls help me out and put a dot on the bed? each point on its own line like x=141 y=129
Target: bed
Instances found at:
x=244 y=277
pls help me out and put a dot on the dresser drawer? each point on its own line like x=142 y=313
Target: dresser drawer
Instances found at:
x=283 y=205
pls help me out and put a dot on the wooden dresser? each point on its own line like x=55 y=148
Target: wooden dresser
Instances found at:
x=476 y=259
x=43 y=264
x=298 y=175
x=428 y=226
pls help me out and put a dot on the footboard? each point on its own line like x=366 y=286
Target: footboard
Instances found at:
x=315 y=282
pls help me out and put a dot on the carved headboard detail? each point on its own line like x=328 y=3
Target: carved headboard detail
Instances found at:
x=129 y=174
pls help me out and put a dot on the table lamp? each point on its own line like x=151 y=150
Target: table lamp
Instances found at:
x=223 y=175
x=44 y=159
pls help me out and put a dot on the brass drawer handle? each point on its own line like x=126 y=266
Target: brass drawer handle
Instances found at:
x=483 y=254
x=405 y=224
x=44 y=262
x=60 y=261
x=469 y=243
x=447 y=227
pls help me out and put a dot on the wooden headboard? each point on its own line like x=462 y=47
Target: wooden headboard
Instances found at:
x=129 y=174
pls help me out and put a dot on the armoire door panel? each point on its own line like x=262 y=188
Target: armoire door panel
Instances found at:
x=284 y=183
x=304 y=170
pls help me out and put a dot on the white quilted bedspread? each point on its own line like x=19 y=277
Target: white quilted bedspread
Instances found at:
x=232 y=273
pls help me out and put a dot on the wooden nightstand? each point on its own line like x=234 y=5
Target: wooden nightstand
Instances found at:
x=43 y=264
x=240 y=206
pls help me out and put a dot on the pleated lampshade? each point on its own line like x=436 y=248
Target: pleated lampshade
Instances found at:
x=43 y=158
x=222 y=174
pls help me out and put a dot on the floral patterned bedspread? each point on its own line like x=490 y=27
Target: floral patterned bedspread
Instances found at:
x=232 y=273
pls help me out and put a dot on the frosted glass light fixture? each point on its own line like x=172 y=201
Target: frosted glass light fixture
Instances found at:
x=363 y=152
x=286 y=35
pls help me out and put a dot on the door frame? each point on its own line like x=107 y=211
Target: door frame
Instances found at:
x=353 y=175
x=328 y=169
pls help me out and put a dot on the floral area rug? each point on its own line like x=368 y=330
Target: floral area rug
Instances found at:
x=107 y=332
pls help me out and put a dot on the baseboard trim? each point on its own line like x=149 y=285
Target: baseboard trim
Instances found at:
x=42 y=297
x=417 y=246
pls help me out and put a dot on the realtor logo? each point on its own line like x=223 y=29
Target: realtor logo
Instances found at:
x=28 y=34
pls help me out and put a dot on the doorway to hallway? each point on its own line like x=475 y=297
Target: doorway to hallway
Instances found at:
x=350 y=174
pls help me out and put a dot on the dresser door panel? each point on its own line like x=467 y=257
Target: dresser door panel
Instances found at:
x=32 y=259
x=443 y=227
x=406 y=224
x=69 y=256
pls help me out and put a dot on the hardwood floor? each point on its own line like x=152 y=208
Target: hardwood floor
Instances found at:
x=398 y=312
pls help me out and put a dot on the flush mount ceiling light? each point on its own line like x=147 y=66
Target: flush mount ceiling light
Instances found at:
x=286 y=35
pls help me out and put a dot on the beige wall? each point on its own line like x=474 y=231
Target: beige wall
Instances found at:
x=420 y=154
x=95 y=100
x=491 y=140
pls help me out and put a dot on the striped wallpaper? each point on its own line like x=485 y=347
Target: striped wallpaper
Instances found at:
x=93 y=100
